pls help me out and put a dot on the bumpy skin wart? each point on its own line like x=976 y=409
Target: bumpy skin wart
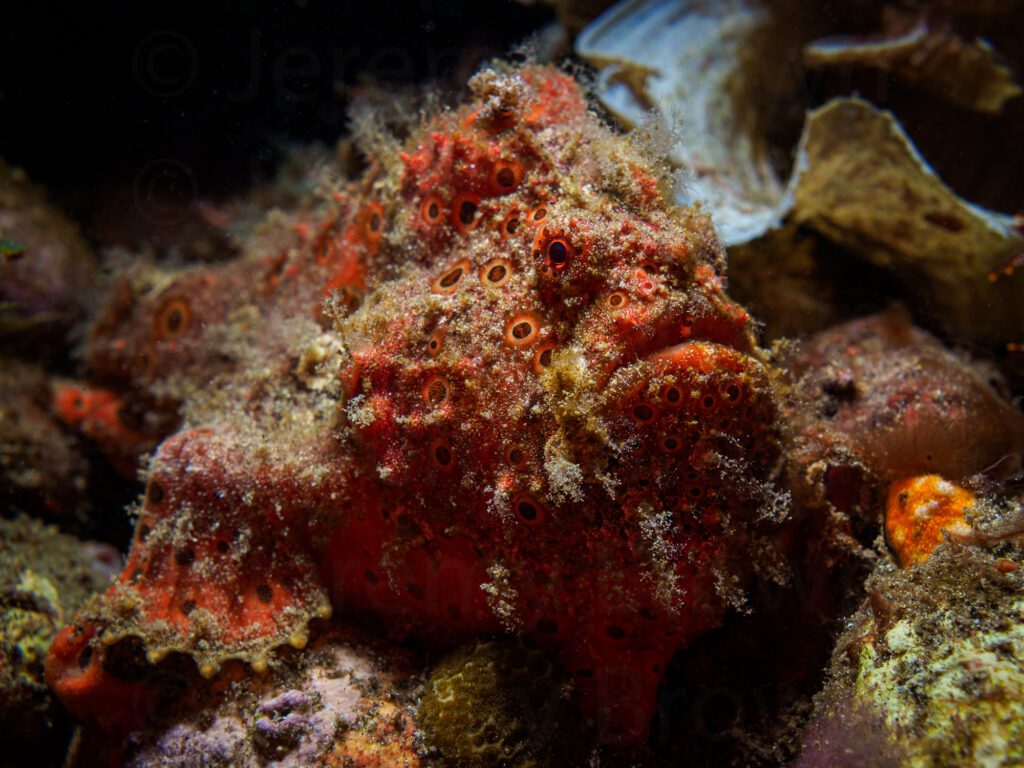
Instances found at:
x=545 y=417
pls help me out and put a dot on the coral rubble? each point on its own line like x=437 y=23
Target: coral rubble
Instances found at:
x=45 y=576
x=344 y=702
x=929 y=672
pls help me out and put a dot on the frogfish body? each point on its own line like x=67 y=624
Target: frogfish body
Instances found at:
x=494 y=385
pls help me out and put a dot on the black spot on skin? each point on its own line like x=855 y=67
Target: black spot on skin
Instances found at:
x=547 y=626
x=155 y=493
x=467 y=212
x=264 y=593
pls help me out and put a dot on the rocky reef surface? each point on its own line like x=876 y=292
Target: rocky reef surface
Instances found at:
x=458 y=451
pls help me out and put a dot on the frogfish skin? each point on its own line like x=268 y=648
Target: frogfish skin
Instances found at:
x=495 y=384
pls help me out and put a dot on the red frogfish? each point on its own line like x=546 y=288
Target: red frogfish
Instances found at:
x=494 y=384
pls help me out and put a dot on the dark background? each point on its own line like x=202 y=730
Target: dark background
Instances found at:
x=93 y=96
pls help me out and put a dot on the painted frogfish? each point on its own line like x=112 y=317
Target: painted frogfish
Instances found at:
x=493 y=384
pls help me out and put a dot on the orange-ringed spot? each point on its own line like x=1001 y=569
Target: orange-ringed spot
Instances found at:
x=436 y=391
x=496 y=272
x=537 y=215
x=528 y=510
x=522 y=330
x=449 y=280
x=509 y=225
x=643 y=413
x=435 y=342
x=432 y=211
x=542 y=357
x=326 y=250
x=506 y=176
x=708 y=402
x=173 y=320
x=464 y=212
x=650 y=268
x=618 y=300
x=441 y=454
x=373 y=223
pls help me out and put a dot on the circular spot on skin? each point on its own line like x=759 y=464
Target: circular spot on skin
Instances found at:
x=618 y=300
x=496 y=273
x=188 y=606
x=510 y=225
x=615 y=632
x=85 y=657
x=731 y=392
x=147 y=362
x=442 y=455
x=264 y=593
x=373 y=223
x=522 y=330
x=649 y=268
x=516 y=456
x=542 y=357
x=78 y=403
x=155 y=493
x=671 y=443
x=370 y=577
x=643 y=413
x=537 y=215
x=448 y=281
x=184 y=557
x=708 y=402
x=173 y=320
x=432 y=211
x=547 y=626
x=672 y=395
x=464 y=212
x=436 y=342
x=528 y=510
x=559 y=253
x=506 y=176
x=436 y=391
x=223 y=547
